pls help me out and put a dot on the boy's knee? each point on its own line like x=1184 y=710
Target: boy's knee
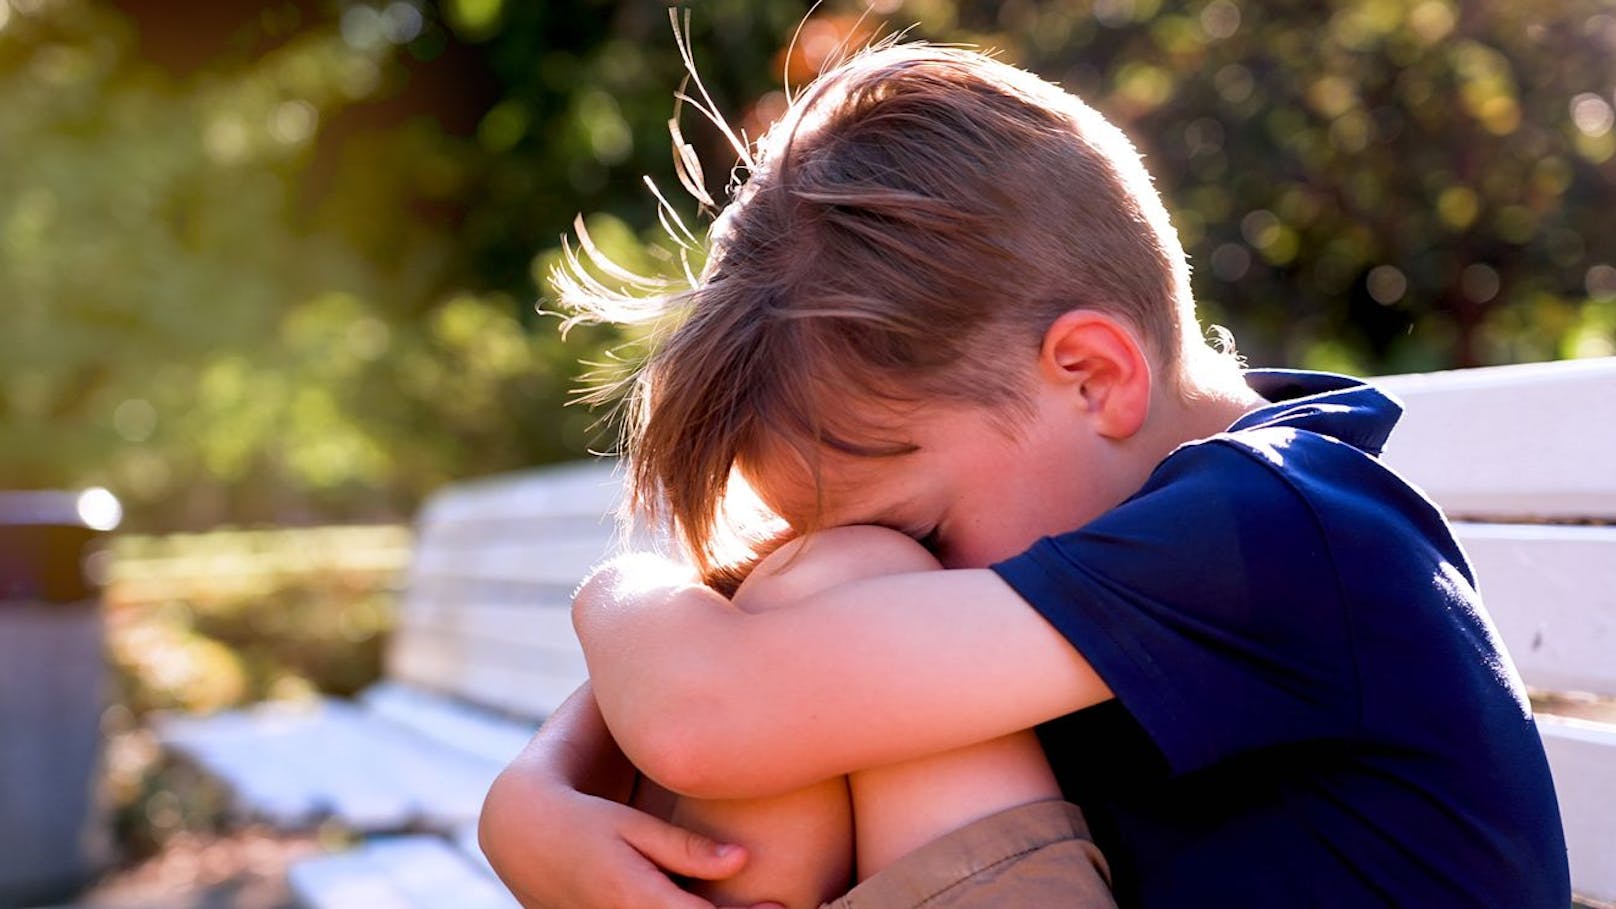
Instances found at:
x=834 y=556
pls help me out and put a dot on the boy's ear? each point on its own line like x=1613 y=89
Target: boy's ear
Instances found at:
x=1100 y=363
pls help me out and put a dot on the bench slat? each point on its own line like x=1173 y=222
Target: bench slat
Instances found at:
x=1531 y=441
x=586 y=488
x=1582 y=756
x=504 y=627
x=520 y=690
x=406 y=872
x=560 y=563
x=558 y=560
x=290 y=767
x=495 y=739
x=471 y=848
x=457 y=651
x=345 y=881
x=1551 y=591
x=294 y=768
x=262 y=786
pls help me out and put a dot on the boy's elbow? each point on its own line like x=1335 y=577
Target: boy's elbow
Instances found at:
x=682 y=747
x=671 y=708
x=662 y=737
x=674 y=758
x=668 y=723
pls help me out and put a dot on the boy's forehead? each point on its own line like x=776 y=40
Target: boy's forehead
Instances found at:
x=841 y=488
x=856 y=468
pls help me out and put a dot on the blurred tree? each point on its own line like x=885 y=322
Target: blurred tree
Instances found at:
x=1365 y=185
x=226 y=310
x=1368 y=185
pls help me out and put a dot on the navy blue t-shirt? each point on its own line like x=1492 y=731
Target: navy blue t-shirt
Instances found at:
x=1312 y=708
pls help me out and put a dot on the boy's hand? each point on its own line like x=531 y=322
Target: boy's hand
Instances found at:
x=556 y=832
x=556 y=848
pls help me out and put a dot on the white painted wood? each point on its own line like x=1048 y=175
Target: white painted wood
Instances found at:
x=406 y=872
x=485 y=620
x=466 y=840
x=493 y=738
x=478 y=637
x=358 y=765
x=346 y=881
x=1537 y=440
x=1551 y=591
x=433 y=873
x=586 y=489
x=522 y=691
x=257 y=754
x=529 y=624
x=1582 y=756
x=533 y=560
x=438 y=657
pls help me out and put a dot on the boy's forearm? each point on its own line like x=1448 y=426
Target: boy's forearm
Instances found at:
x=630 y=664
x=717 y=703
x=575 y=746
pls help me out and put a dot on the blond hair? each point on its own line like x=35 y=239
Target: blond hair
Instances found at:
x=906 y=232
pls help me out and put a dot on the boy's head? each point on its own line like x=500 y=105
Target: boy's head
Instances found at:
x=906 y=234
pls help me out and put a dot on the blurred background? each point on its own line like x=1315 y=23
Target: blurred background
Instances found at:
x=271 y=272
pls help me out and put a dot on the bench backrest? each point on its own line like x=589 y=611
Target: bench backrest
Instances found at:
x=486 y=611
x=1523 y=459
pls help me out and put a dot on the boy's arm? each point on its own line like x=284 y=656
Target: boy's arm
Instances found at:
x=718 y=703
x=554 y=829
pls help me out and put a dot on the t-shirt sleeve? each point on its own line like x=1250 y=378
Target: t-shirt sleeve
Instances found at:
x=1209 y=604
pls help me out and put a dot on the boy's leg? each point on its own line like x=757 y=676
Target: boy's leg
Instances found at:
x=800 y=844
x=899 y=808
x=986 y=819
x=974 y=828
x=981 y=826
x=1038 y=854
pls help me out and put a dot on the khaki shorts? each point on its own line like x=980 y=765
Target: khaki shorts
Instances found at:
x=1032 y=855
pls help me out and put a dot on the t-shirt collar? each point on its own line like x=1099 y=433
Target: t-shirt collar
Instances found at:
x=1337 y=406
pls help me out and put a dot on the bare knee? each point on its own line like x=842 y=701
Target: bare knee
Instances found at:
x=799 y=845
x=831 y=557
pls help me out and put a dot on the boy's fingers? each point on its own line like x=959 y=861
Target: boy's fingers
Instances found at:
x=680 y=851
x=659 y=891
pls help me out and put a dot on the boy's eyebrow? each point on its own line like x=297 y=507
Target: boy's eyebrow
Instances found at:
x=882 y=517
x=850 y=446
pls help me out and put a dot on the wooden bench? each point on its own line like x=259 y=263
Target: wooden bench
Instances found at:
x=1523 y=458
x=482 y=651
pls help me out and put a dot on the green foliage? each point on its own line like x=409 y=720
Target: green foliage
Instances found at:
x=1365 y=184
x=202 y=622
x=222 y=319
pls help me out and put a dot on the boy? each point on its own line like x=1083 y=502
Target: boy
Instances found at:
x=947 y=301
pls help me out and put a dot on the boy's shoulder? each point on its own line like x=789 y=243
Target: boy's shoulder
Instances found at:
x=1306 y=405
x=1289 y=501
x=1320 y=437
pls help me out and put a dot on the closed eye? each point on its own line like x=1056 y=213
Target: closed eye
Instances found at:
x=931 y=540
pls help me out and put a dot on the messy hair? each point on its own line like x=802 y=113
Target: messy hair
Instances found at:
x=906 y=232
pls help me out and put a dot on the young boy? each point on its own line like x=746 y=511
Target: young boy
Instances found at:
x=947 y=301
